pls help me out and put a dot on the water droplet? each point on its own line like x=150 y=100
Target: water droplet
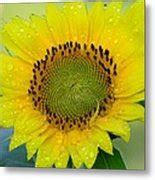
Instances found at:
x=136 y=29
x=20 y=106
x=116 y=90
x=47 y=158
x=116 y=41
x=4 y=106
x=118 y=55
x=118 y=10
x=29 y=36
x=72 y=7
x=110 y=20
x=108 y=30
x=59 y=164
x=21 y=30
x=14 y=112
x=75 y=12
x=80 y=6
x=83 y=149
x=91 y=154
x=82 y=36
x=18 y=33
x=10 y=66
x=87 y=158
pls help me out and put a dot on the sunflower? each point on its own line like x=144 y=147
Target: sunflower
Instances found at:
x=73 y=77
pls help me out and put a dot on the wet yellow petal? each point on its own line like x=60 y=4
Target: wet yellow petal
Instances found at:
x=11 y=93
x=103 y=18
x=19 y=138
x=10 y=73
x=115 y=126
x=57 y=23
x=28 y=124
x=88 y=152
x=130 y=80
x=10 y=108
x=137 y=25
x=35 y=143
x=76 y=159
x=135 y=98
x=39 y=24
x=109 y=26
x=77 y=19
x=63 y=158
x=127 y=111
x=28 y=41
x=102 y=138
x=74 y=138
x=49 y=151
x=8 y=42
x=28 y=121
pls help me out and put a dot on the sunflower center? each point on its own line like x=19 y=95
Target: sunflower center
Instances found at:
x=73 y=85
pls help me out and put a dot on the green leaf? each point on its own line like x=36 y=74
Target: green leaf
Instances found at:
x=142 y=103
x=15 y=158
x=70 y=163
x=106 y=161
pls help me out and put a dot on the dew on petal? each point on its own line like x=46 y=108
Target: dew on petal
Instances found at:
x=118 y=10
x=29 y=36
x=59 y=164
x=10 y=66
x=115 y=41
x=79 y=6
x=21 y=30
x=111 y=20
x=72 y=7
x=91 y=154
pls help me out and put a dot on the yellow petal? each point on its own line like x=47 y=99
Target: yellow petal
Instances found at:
x=49 y=151
x=135 y=98
x=103 y=20
x=76 y=159
x=137 y=27
x=57 y=23
x=27 y=40
x=11 y=93
x=10 y=73
x=112 y=27
x=63 y=158
x=74 y=138
x=29 y=120
x=17 y=140
x=127 y=111
x=28 y=124
x=77 y=19
x=102 y=138
x=21 y=138
x=115 y=126
x=39 y=24
x=8 y=42
x=88 y=152
x=10 y=108
x=134 y=31
x=35 y=143
x=130 y=80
